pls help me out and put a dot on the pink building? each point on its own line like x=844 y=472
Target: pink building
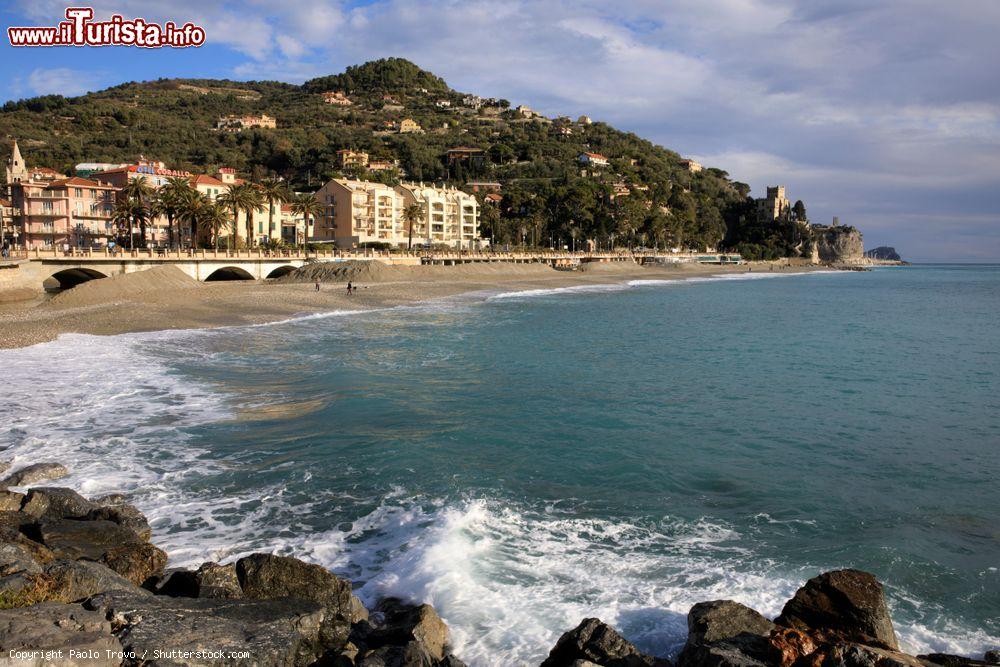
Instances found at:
x=74 y=212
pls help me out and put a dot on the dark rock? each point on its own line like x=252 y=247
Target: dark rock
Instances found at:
x=411 y=654
x=264 y=576
x=74 y=539
x=10 y=501
x=883 y=252
x=281 y=632
x=11 y=525
x=218 y=581
x=850 y=604
x=37 y=472
x=854 y=655
x=599 y=643
x=16 y=558
x=79 y=579
x=124 y=515
x=15 y=522
x=61 y=503
x=51 y=627
x=404 y=623
x=138 y=562
x=36 y=506
x=176 y=583
x=211 y=580
x=947 y=660
x=743 y=650
x=992 y=657
x=722 y=619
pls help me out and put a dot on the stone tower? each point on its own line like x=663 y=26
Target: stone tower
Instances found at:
x=17 y=171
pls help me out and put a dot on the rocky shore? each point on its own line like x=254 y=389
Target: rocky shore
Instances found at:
x=81 y=584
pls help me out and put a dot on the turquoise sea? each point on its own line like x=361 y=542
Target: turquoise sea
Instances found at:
x=525 y=460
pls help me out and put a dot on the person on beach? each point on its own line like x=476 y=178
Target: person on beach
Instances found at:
x=317 y=285
x=349 y=288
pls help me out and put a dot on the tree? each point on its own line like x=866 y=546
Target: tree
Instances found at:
x=308 y=207
x=213 y=216
x=241 y=197
x=138 y=193
x=190 y=210
x=799 y=209
x=168 y=202
x=412 y=214
x=273 y=191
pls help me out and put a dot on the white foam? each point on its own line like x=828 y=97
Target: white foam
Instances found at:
x=574 y=289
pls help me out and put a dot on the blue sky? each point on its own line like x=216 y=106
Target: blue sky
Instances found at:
x=886 y=113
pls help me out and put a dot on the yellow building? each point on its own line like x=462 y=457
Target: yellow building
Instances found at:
x=408 y=126
x=358 y=212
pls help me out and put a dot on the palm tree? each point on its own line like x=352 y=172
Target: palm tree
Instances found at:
x=213 y=216
x=308 y=207
x=127 y=214
x=412 y=215
x=274 y=192
x=168 y=202
x=241 y=197
x=189 y=210
x=139 y=192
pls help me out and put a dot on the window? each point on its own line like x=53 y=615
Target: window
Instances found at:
x=47 y=207
x=93 y=194
x=78 y=192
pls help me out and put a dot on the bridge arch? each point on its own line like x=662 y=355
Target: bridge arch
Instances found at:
x=68 y=278
x=229 y=273
x=281 y=271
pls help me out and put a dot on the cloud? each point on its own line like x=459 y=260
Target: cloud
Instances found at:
x=60 y=81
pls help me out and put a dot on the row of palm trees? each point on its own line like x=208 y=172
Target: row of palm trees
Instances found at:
x=137 y=204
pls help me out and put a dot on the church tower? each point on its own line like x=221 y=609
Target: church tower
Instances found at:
x=17 y=171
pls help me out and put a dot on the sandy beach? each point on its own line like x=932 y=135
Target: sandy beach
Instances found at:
x=158 y=299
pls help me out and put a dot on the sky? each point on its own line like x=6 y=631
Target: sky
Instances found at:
x=885 y=113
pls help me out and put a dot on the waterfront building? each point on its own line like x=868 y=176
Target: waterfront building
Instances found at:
x=73 y=212
x=359 y=212
x=449 y=216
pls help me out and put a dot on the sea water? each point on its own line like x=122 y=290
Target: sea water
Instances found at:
x=524 y=460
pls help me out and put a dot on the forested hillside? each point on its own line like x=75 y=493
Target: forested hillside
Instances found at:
x=645 y=196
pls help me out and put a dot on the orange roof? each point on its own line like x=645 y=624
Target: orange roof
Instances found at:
x=77 y=181
x=597 y=155
x=4 y=202
x=43 y=170
x=494 y=197
x=465 y=149
x=202 y=179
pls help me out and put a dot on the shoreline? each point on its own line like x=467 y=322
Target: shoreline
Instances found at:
x=211 y=305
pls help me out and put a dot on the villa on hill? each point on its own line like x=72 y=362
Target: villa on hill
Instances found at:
x=337 y=98
x=240 y=123
x=592 y=160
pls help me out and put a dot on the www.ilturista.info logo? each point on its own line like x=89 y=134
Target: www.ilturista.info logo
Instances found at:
x=80 y=30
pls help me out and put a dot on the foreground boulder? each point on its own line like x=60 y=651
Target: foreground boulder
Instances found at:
x=849 y=604
x=284 y=633
x=946 y=660
x=598 y=643
x=79 y=579
x=74 y=539
x=59 y=503
x=264 y=576
x=37 y=472
x=25 y=633
x=724 y=632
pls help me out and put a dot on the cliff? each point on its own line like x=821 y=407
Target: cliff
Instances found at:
x=839 y=244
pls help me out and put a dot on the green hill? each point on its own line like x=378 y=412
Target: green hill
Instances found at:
x=545 y=192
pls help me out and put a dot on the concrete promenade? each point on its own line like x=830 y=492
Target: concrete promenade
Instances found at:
x=54 y=268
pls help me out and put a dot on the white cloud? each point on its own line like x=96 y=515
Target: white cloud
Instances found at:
x=60 y=81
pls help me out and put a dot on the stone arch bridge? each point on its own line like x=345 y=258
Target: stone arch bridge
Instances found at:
x=59 y=270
